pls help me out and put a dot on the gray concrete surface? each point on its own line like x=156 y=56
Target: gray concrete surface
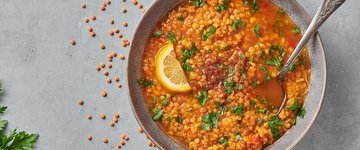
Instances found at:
x=44 y=75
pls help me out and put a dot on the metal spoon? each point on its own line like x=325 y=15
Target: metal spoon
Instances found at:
x=326 y=8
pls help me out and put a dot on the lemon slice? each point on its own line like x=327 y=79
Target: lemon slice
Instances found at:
x=169 y=71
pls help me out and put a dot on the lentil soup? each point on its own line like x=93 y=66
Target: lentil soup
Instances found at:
x=226 y=49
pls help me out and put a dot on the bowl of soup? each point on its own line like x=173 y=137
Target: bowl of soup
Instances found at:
x=195 y=69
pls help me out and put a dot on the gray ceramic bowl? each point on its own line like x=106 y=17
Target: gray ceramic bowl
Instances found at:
x=160 y=9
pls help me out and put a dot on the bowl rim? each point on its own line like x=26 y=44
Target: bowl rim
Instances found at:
x=316 y=38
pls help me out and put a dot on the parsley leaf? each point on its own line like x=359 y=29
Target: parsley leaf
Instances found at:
x=281 y=11
x=296 y=108
x=210 y=120
x=273 y=125
x=238 y=24
x=257 y=31
x=302 y=113
x=171 y=36
x=253 y=5
x=187 y=67
x=157 y=114
x=178 y=119
x=18 y=140
x=252 y=104
x=198 y=3
x=2 y=109
x=296 y=30
x=224 y=6
x=202 y=97
x=157 y=33
x=263 y=68
x=211 y=31
x=181 y=18
x=229 y=87
x=163 y=101
x=238 y=110
x=168 y=119
x=224 y=140
x=238 y=136
x=145 y=83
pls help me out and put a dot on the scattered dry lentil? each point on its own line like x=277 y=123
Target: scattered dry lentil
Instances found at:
x=105 y=140
x=124 y=0
x=119 y=85
x=109 y=66
x=117 y=115
x=112 y=124
x=126 y=138
x=116 y=79
x=121 y=56
x=125 y=24
x=89 y=117
x=97 y=68
x=93 y=34
x=123 y=10
x=114 y=54
x=102 y=46
x=86 y=20
x=90 y=29
x=123 y=136
x=102 y=8
x=89 y=137
x=81 y=102
x=120 y=35
x=122 y=142
x=115 y=119
x=116 y=30
x=103 y=93
x=93 y=17
x=102 y=116
x=108 y=80
x=118 y=146
x=108 y=2
x=111 y=21
x=140 y=130
x=83 y=5
x=111 y=33
x=150 y=143
x=102 y=65
x=72 y=42
x=140 y=6
x=135 y=2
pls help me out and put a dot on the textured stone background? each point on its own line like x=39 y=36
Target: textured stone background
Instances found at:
x=44 y=75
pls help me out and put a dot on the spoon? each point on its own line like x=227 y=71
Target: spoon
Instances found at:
x=326 y=8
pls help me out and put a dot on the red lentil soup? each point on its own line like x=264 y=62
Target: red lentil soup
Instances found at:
x=227 y=49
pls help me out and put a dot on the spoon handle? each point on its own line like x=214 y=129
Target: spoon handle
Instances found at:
x=327 y=7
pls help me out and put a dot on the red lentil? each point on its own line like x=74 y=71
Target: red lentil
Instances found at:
x=72 y=42
x=86 y=20
x=111 y=21
x=121 y=56
x=93 y=17
x=122 y=142
x=89 y=137
x=140 y=6
x=102 y=65
x=102 y=46
x=123 y=10
x=105 y=140
x=125 y=24
x=116 y=30
x=83 y=5
x=109 y=66
x=112 y=124
x=81 y=102
x=89 y=117
x=93 y=34
x=90 y=29
x=102 y=8
x=114 y=54
x=108 y=80
x=116 y=79
x=140 y=130
x=135 y=2
x=103 y=93
x=111 y=33
x=119 y=85
x=102 y=116
x=120 y=35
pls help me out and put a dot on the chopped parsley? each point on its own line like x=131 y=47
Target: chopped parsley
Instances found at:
x=224 y=140
x=253 y=83
x=154 y=100
x=260 y=122
x=238 y=110
x=253 y=5
x=274 y=124
x=157 y=33
x=145 y=83
x=171 y=36
x=257 y=31
x=187 y=67
x=198 y=3
x=238 y=136
x=276 y=61
x=163 y=101
x=239 y=87
x=252 y=104
x=202 y=97
x=178 y=119
x=267 y=77
x=211 y=31
x=224 y=6
x=157 y=114
x=263 y=68
x=296 y=108
x=168 y=119
x=229 y=87
x=281 y=11
x=242 y=56
x=296 y=30
x=210 y=120
x=181 y=18
x=238 y=24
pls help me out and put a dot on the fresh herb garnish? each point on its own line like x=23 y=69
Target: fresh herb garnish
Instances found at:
x=274 y=124
x=224 y=6
x=157 y=114
x=267 y=77
x=257 y=31
x=229 y=87
x=263 y=68
x=224 y=140
x=238 y=110
x=211 y=31
x=281 y=11
x=168 y=119
x=171 y=36
x=202 y=97
x=178 y=119
x=154 y=100
x=238 y=24
x=145 y=83
x=157 y=33
x=163 y=100
x=260 y=122
x=198 y=3
x=239 y=87
x=210 y=120
x=181 y=18
x=296 y=30
x=296 y=108
x=242 y=56
x=277 y=60
x=238 y=136
x=253 y=5
x=187 y=66
x=253 y=83
x=252 y=104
